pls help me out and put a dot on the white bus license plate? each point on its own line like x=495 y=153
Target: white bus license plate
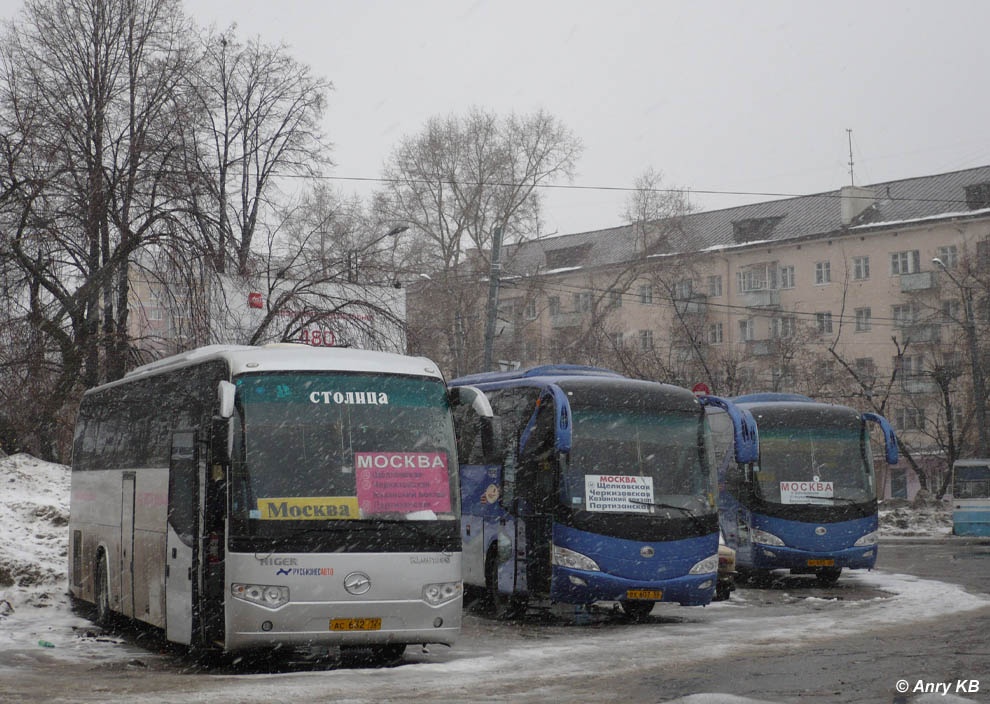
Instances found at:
x=355 y=624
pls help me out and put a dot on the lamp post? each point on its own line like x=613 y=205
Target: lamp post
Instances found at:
x=976 y=370
x=352 y=254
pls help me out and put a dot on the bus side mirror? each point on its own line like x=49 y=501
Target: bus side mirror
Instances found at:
x=225 y=397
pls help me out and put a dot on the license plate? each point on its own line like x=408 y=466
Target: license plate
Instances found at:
x=655 y=594
x=355 y=624
x=821 y=563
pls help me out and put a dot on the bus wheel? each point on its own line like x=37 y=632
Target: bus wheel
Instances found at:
x=637 y=610
x=828 y=576
x=104 y=616
x=501 y=606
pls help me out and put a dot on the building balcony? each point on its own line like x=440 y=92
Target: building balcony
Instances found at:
x=922 y=333
x=763 y=298
x=919 y=385
x=566 y=320
x=696 y=305
x=761 y=348
x=921 y=281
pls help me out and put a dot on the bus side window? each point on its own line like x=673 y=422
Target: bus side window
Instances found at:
x=182 y=486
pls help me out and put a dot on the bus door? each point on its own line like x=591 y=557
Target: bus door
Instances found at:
x=537 y=490
x=182 y=537
x=127 y=544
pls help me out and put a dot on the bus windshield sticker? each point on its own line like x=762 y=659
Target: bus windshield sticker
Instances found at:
x=402 y=482
x=308 y=508
x=813 y=492
x=612 y=493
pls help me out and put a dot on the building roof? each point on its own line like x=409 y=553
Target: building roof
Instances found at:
x=895 y=203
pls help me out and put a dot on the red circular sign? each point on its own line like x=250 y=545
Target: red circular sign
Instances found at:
x=701 y=389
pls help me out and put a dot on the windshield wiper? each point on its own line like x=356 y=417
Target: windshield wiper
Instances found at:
x=838 y=498
x=689 y=512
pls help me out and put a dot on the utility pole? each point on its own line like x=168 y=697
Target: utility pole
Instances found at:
x=493 y=282
x=849 y=137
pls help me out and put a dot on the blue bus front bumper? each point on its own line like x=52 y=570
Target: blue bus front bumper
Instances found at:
x=781 y=558
x=583 y=587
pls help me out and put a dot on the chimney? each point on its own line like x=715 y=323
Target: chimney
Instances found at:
x=854 y=200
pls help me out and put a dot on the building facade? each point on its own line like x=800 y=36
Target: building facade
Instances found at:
x=835 y=295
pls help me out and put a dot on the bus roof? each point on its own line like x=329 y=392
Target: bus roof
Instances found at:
x=548 y=370
x=291 y=357
x=771 y=398
x=779 y=401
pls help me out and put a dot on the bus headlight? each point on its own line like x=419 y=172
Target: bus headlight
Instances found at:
x=764 y=538
x=868 y=539
x=709 y=564
x=269 y=596
x=441 y=593
x=575 y=560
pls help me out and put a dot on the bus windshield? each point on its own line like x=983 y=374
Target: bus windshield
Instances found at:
x=814 y=456
x=635 y=460
x=322 y=448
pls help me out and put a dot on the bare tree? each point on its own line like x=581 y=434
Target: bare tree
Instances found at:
x=453 y=184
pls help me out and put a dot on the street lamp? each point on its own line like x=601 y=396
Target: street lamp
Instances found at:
x=352 y=254
x=979 y=385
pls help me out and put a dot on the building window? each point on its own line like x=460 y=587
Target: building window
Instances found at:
x=824 y=321
x=905 y=262
x=783 y=327
x=909 y=419
x=646 y=340
x=745 y=330
x=156 y=314
x=683 y=290
x=866 y=370
x=714 y=286
x=898 y=483
x=904 y=314
x=864 y=319
x=758 y=277
x=861 y=268
x=646 y=294
x=616 y=340
x=530 y=310
x=909 y=366
x=951 y=311
x=823 y=272
x=615 y=299
x=553 y=305
x=787 y=277
x=715 y=333
x=582 y=302
x=949 y=256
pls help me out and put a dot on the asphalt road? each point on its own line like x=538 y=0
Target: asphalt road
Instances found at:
x=851 y=668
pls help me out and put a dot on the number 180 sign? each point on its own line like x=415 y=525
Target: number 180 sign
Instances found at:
x=317 y=338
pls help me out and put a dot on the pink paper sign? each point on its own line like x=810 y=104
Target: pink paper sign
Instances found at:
x=402 y=482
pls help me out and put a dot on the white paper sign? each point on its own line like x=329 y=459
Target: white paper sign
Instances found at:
x=813 y=492
x=613 y=493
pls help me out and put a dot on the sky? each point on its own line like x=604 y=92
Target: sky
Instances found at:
x=740 y=96
x=38 y=631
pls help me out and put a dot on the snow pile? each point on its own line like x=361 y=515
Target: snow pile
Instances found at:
x=925 y=516
x=34 y=520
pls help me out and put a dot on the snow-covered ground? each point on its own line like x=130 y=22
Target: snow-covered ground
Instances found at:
x=923 y=517
x=34 y=609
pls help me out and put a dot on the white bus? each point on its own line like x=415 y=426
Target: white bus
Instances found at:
x=253 y=497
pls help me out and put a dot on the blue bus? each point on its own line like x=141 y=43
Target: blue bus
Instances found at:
x=605 y=492
x=971 y=497
x=809 y=501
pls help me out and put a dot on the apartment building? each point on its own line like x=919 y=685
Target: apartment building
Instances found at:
x=835 y=295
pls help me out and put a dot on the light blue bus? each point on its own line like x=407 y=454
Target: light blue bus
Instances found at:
x=605 y=492
x=971 y=497
x=809 y=502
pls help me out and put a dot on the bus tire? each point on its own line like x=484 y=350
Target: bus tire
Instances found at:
x=502 y=606
x=104 y=614
x=828 y=576
x=637 y=610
